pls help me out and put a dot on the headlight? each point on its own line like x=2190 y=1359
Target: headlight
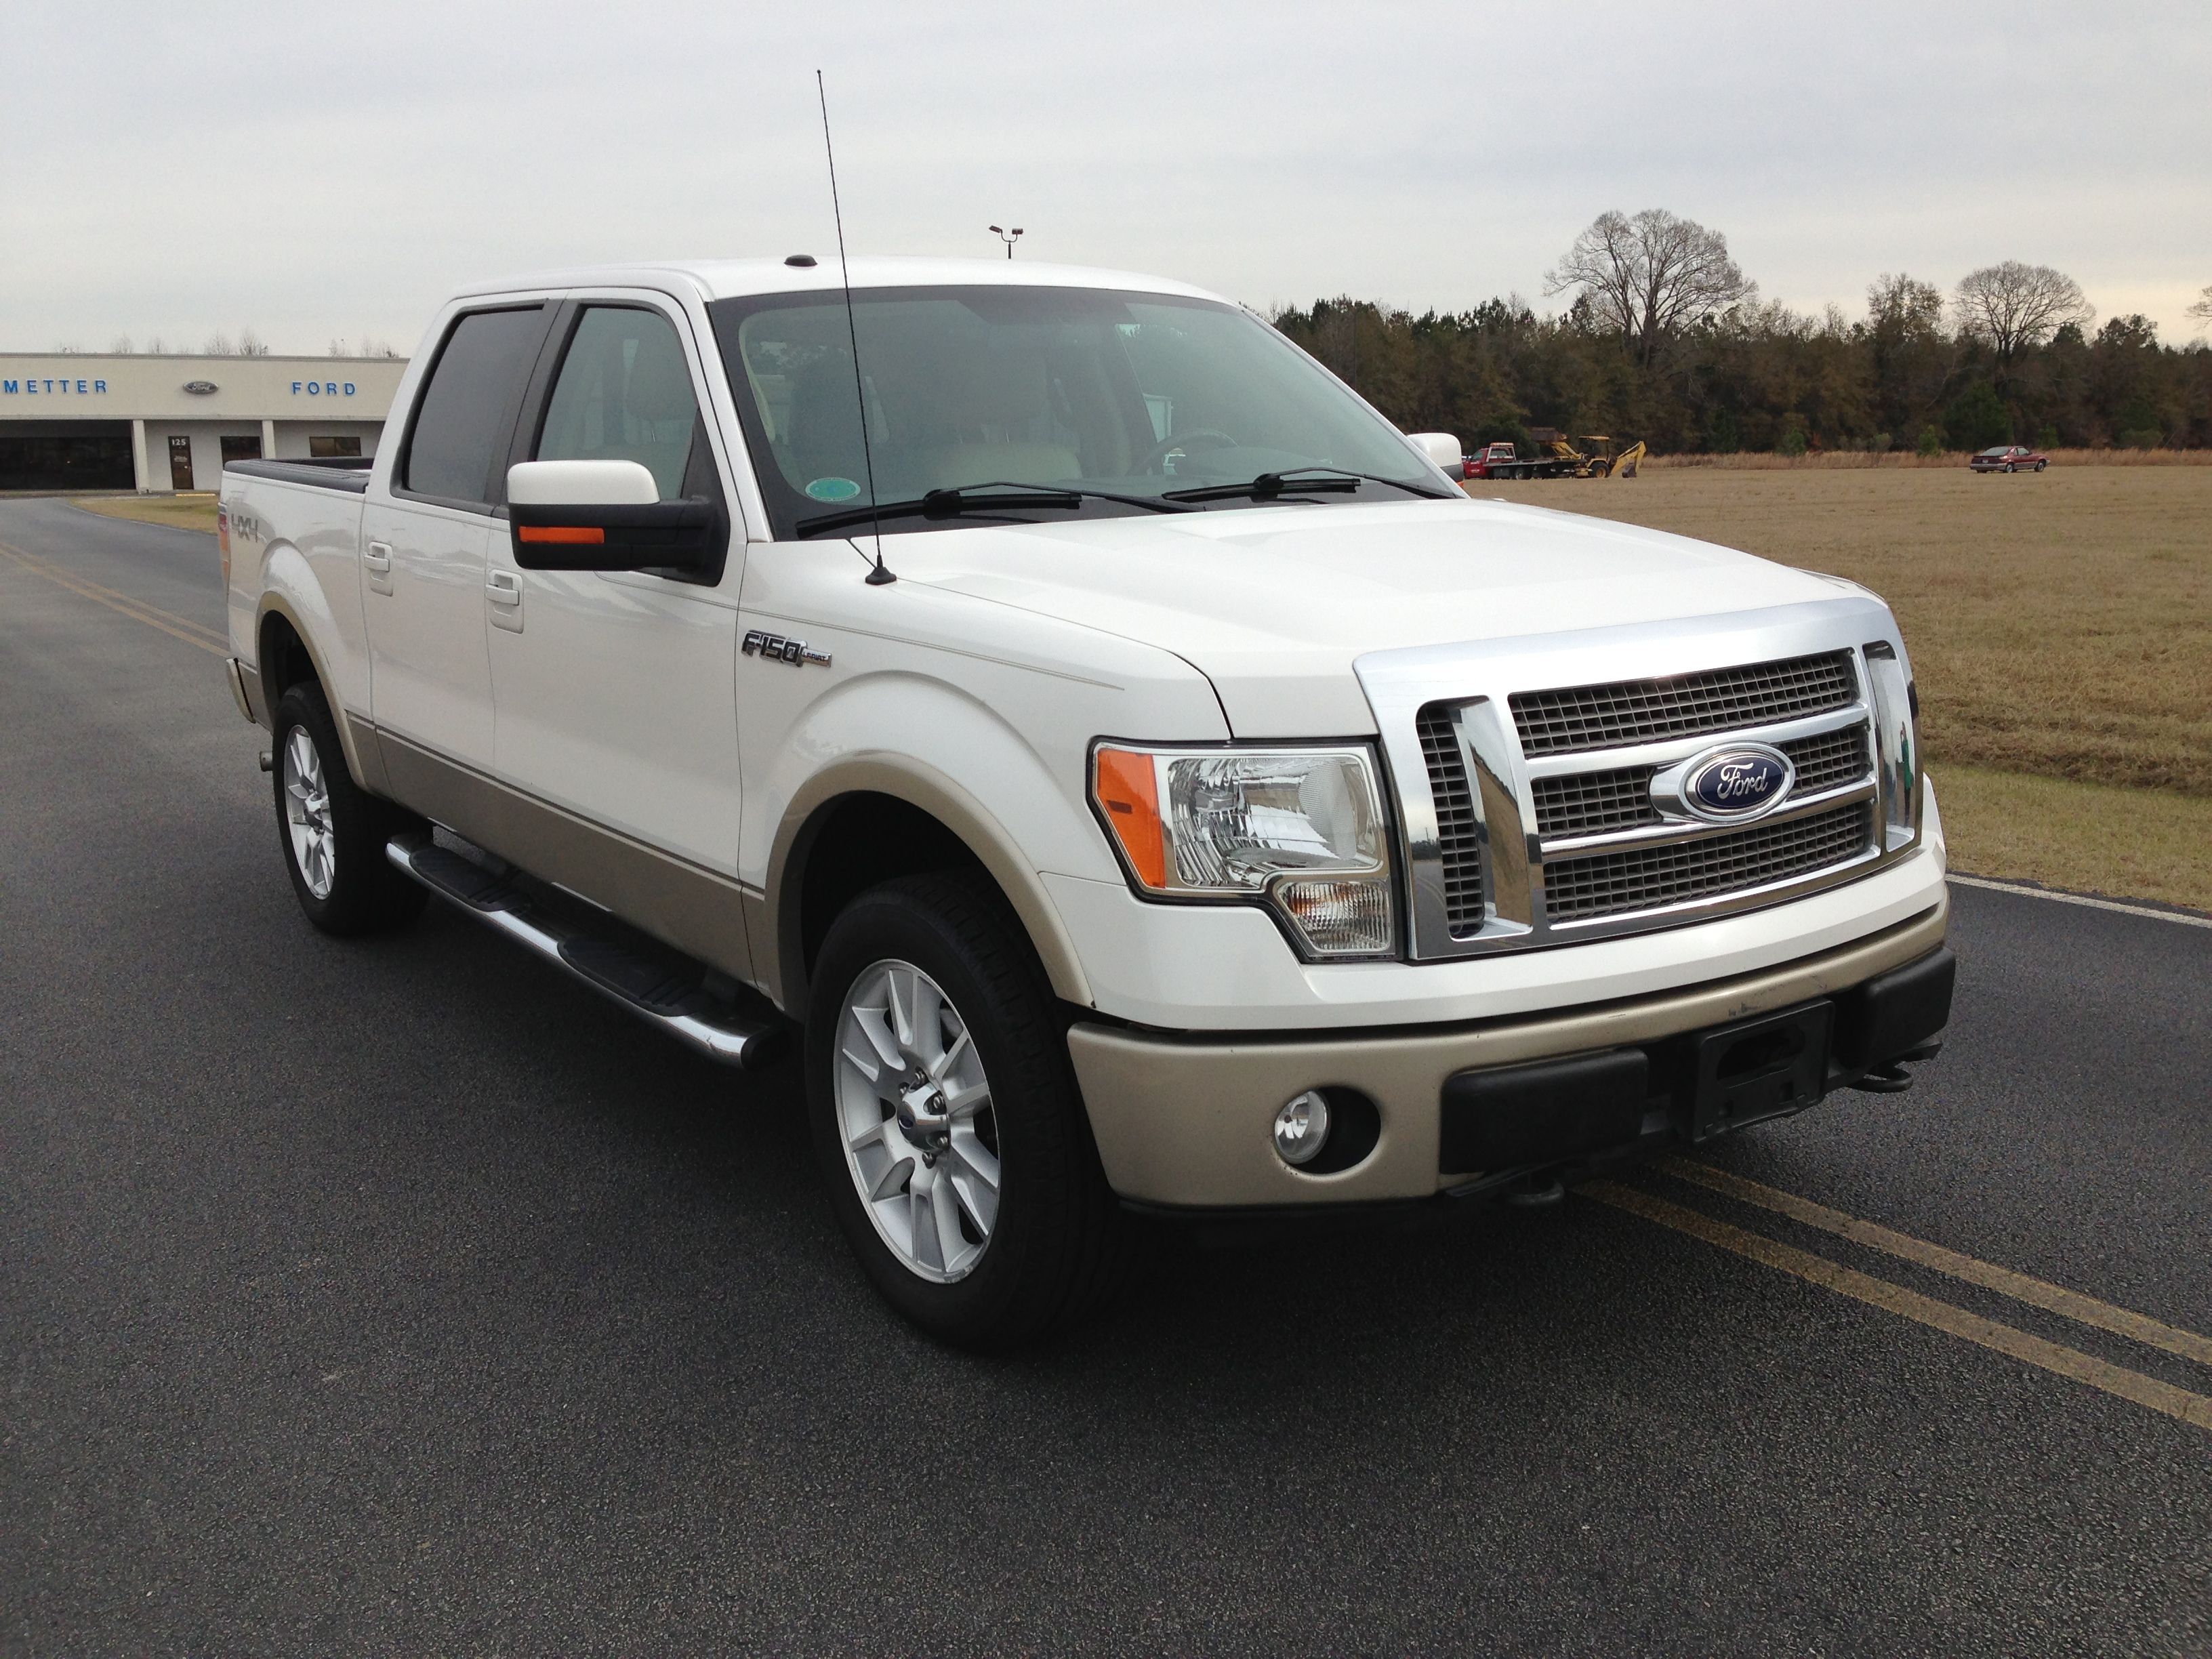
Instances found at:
x=1299 y=830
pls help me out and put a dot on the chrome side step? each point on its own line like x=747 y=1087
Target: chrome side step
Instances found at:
x=657 y=985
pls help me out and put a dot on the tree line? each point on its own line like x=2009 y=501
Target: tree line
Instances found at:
x=1662 y=337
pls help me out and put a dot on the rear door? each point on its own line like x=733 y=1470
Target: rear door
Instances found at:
x=423 y=542
x=614 y=692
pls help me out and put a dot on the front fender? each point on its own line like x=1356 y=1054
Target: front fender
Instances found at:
x=953 y=805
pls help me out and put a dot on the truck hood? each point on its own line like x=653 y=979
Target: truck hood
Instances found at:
x=1274 y=604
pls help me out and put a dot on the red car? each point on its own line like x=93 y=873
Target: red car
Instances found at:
x=2009 y=458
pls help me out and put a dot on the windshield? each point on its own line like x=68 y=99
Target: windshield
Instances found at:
x=1133 y=395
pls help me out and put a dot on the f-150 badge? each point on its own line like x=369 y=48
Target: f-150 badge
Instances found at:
x=774 y=647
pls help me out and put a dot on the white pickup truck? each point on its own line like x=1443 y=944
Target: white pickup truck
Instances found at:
x=1144 y=778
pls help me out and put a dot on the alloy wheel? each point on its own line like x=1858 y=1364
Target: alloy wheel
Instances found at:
x=307 y=813
x=915 y=1118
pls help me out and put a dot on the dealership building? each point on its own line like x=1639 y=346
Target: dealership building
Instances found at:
x=162 y=424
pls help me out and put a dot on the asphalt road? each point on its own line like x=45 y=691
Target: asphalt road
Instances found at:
x=401 y=1296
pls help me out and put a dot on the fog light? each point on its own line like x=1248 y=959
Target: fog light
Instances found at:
x=1302 y=1128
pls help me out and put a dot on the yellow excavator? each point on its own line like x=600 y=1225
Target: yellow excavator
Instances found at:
x=1552 y=455
x=1598 y=460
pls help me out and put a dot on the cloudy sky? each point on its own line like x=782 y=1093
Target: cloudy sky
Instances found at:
x=322 y=171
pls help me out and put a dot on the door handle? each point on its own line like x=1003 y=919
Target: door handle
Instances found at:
x=377 y=557
x=504 y=588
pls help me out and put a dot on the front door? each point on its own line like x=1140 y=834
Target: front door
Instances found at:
x=180 y=462
x=614 y=693
x=423 y=541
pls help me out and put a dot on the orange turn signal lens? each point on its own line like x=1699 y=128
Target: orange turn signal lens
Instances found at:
x=1126 y=788
x=576 y=534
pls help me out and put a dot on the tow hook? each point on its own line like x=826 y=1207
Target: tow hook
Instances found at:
x=1891 y=1077
x=1534 y=1191
x=1890 y=1080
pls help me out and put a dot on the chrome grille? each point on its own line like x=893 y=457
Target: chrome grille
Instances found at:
x=1830 y=760
x=1459 y=835
x=1595 y=803
x=1647 y=878
x=1558 y=722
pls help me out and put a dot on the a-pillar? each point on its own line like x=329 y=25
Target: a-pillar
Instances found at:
x=141 y=476
x=269 y=440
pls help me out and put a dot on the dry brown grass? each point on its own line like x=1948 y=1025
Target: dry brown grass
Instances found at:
x=1848 y=460
x=193 y=512
x=2136 y=843
x=2060 y=622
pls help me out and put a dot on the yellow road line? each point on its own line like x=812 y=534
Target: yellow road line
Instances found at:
x=137 y=609
x=2134 y=1386
x=2036 y=1293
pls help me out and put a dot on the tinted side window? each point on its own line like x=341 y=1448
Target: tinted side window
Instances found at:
x=467 y=411
x=624 y=393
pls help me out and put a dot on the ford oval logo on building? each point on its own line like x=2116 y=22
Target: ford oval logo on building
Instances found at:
x=1740 y=782
x=200 y=388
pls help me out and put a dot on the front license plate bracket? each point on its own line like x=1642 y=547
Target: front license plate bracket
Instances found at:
x=1759 y=1069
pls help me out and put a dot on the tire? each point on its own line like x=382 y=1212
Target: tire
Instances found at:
x=996 y=1229
x=2008 y=468
x=2038 y=467
x=330 y=830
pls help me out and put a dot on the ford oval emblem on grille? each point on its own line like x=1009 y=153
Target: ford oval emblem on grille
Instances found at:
x=1725 y=785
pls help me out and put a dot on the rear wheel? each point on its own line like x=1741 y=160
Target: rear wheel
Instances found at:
x=332 y=829
x=946 y=1119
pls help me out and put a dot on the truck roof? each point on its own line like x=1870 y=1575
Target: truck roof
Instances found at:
x=722 y=279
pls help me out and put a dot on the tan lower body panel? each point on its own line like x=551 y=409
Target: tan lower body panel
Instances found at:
x=1186 y=1120
x=696 y=911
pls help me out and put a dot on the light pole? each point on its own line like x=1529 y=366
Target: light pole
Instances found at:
x=1009 y=237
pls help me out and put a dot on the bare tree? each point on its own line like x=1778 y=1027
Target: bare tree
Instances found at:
x=249 y=345
x=2202 y=311
x=2012 y=306
x=69 y=349
x=1651 y=277
x=120 y=345
x=218 y=346
x=155 y=346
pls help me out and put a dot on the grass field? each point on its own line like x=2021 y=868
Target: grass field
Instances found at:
x=2061 y=632
x=185 y=511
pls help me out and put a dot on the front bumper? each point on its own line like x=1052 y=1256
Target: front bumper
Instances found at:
x=1184 y=1122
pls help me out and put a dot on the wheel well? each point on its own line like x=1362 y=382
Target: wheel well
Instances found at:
x=284 y=659
x=861 y=840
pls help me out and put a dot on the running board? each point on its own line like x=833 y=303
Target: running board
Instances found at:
x=658 y=985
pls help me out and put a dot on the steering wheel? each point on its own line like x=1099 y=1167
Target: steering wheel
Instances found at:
x=1158 y=452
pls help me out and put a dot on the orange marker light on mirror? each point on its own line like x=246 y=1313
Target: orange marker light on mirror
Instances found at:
x=1127 y=791
x=587 y=535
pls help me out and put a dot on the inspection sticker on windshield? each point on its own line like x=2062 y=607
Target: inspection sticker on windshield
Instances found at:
x=833 y=490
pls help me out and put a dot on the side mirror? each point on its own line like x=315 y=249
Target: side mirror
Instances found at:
x=1443 y=449
x=604 y=515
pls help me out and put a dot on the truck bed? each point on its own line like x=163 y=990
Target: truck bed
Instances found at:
x=346 y=472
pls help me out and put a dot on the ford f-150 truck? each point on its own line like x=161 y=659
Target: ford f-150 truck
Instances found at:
x=1135 y=774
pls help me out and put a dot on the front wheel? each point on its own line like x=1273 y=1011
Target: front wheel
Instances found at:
x=332 y=830
x=946 y=1119
x=2038 y=467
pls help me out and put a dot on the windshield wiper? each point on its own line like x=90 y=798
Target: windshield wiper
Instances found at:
x=1335 y=480
x=1005 y=495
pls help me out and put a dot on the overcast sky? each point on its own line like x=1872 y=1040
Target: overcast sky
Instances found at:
x=320 y=171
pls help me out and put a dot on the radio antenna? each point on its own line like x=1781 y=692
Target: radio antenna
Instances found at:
x=879 y=576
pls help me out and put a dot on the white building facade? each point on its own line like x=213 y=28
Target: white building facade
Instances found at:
x=159 y=425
